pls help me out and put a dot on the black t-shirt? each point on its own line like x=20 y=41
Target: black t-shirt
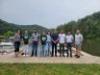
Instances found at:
x=26 y=38
x=43 y=39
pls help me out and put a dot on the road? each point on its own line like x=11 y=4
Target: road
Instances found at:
x=85 y=59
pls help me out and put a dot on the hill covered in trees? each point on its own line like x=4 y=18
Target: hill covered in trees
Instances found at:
x=5 y=27
x=90 y=27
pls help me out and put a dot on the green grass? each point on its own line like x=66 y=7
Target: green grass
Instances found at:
x=49 y=69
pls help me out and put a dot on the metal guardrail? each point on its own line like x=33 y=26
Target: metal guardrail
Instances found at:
x=6 y=47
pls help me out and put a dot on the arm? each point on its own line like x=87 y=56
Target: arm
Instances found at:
x=57 y=39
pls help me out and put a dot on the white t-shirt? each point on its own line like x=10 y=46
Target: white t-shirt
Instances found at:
x=35 y=37
x=78 y=38
x=62 y=38
x=48 y=38
x=69 y=38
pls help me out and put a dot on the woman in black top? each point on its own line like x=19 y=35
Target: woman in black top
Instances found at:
x=43 y=39
x=26 y=41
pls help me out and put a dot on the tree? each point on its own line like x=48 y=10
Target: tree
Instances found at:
x=8 y=34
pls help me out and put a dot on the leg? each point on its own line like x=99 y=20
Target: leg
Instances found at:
x=49 y=45
x=70 y=52
x=67 y=52
x=32 y=50
x=56 y=50
x=63 y=51
x=17 y=45
x=35 y=50
x=43 y=50
x=52 y=54
x=60 y=50
x=70 y=48
x=77 y=51
x=25 y=50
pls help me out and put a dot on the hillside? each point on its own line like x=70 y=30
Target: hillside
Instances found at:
x=90 y=27
x=5 y=26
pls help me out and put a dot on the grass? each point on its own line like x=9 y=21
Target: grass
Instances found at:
x=49 y=69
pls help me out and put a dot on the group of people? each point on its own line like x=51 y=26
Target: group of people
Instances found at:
x=50 y=43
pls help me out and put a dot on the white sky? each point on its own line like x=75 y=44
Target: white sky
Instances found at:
x=49 y=13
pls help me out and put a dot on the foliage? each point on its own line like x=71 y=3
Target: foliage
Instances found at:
x=8 y=34
x=5 y=27
x=90 y=27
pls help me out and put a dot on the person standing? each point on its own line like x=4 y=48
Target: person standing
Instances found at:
x=48 y=43
x=26 y=41
x=17 y=42
x=62 y=43
x=55 y=40
x=35 y=42
x=78 y=43
x=43 y=39
x=69 y=42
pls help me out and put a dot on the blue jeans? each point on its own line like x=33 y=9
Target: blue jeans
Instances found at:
x=48 y=47
x=44 y=51
x=34 y=49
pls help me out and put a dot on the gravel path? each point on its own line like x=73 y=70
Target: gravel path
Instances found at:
x=85 y=59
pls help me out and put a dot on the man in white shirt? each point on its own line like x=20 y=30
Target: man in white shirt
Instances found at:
x=69 y=42
x=62 y=43
x=78 y=42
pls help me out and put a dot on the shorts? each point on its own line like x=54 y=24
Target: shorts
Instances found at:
x=79 y=46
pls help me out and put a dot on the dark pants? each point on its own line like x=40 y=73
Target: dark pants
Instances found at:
x=25 y=41
x=69 y=49
x=17 y=45
x=61 y=49
x=34 y=49
x=54 y=48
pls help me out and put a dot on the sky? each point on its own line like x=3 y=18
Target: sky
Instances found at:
x=47 y=13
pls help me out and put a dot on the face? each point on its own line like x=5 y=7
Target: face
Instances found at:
x=55 y=31
x=35 y=32
x=18 y=32
x=62 y=32
x=77 y=31
x=69 y=33
x=43 y=33
x=26 y=31
x=48 y=33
